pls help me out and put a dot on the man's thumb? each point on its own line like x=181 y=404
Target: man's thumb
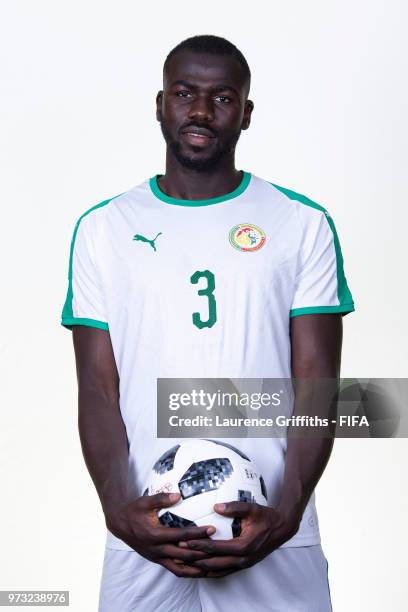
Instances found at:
x=162 y=500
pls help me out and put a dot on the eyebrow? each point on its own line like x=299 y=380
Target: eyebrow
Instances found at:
x=216 y=88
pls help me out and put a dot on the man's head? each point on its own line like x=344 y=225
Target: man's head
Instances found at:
x=204 y=103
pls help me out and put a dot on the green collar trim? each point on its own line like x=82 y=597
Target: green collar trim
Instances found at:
x=246 y=177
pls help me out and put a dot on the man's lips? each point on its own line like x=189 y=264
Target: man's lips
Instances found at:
x=198 y=131
x=198 y=137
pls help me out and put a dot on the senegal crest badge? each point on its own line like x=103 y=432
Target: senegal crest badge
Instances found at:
x=247 y=237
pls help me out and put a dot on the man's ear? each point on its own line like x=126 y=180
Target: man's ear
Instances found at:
x=246 y=120
x=159 y=99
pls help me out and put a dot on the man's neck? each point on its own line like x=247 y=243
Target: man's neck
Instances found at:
x=186 y=184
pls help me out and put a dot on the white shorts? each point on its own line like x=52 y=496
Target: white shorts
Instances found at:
x=290 y=579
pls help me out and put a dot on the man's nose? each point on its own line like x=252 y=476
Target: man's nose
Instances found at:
x=201 y=108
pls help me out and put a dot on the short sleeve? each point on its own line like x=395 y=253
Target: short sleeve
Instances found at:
x=321 y=285
x=84 y=304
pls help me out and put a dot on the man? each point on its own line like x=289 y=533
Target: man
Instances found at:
x=212 y=272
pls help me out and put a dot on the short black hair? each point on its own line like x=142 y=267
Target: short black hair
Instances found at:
x=215 y=45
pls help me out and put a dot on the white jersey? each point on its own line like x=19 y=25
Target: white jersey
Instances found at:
x=203 y=289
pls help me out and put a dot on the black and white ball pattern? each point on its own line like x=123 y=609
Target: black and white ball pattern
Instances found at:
x=205 y=472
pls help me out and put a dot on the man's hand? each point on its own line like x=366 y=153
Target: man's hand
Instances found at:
x=137 y=524
x=263 y=529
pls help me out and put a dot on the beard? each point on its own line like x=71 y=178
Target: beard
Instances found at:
x=199 y=163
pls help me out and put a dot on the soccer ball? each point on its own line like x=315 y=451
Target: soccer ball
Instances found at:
x=205 y=472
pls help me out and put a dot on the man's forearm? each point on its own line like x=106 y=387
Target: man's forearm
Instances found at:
x=316 y=354
x=306 y=460
x=104 y=446
x=308 y=451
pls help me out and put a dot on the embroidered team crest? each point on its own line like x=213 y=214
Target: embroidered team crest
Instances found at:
x=247 y=237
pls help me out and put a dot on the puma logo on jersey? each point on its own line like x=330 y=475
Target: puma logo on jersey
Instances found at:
x=143 y=239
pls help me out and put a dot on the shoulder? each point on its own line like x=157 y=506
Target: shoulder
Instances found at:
x=294 y=199
x=307 y=211
x=96 y=215
x=88 y=225
x=299 y=198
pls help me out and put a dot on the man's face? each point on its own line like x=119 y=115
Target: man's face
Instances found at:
x=203 y=108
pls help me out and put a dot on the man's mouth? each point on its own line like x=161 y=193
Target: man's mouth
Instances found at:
x=197 y=136
x=197 y=131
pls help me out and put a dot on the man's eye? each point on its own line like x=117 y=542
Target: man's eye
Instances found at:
x=183 y=94
x=223 y=99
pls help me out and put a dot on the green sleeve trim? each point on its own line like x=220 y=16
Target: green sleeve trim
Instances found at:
x=343 y=292
x=343 y=308
x=70 y=321
x=67 y=312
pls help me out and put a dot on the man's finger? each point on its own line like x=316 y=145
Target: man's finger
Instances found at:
x=169 y=551
x=239 y=509
x=182 y=571
x=235 y=546
x=221 y=563
x=160 y=500
x=176 y=534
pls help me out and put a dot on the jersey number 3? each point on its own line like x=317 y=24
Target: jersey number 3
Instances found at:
x=208 y=293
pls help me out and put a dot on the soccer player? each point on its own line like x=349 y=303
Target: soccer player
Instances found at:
x=205 y=271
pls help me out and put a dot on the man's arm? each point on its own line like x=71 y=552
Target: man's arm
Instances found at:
x=105 y=449
x=101 y=428
x=316 y=354
x=316 y=349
